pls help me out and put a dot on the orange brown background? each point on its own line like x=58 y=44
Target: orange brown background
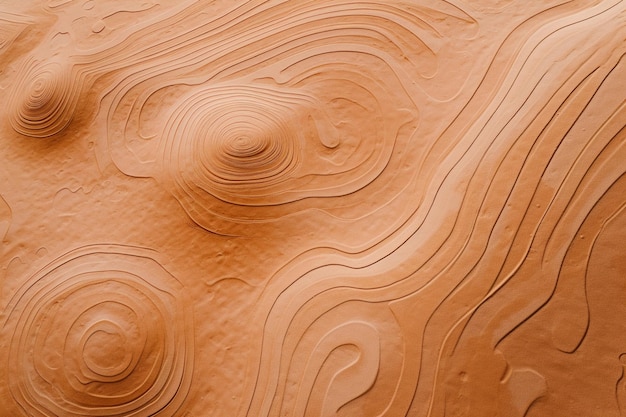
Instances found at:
x=312 y=208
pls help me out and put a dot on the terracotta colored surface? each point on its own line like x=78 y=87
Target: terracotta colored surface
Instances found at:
x=312 y=208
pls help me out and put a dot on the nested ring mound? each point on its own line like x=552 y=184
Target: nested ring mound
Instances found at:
x=234 y=143
x=100 y=331
x=44 y=98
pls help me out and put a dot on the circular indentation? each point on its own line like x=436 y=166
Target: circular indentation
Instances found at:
x=43 y=99
x=105 y=331
x=105 y=349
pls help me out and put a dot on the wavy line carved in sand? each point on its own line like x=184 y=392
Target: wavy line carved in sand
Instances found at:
x=293 y=208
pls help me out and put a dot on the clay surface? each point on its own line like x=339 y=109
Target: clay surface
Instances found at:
x=312 y=208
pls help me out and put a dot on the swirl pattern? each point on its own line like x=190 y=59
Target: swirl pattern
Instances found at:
x=235 y=144
x=260 y=146
x=100 y=331
x=44 y=99
x=244 y=152
x=400 y=208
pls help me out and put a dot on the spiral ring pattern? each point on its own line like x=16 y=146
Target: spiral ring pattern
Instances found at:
x=234 y=143
x=100 y=331
x=403 y=208
x=44 y=99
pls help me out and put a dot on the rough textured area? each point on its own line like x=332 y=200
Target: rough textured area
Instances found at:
x=312 y=208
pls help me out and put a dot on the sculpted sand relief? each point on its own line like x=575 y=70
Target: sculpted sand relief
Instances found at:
x=294 y=208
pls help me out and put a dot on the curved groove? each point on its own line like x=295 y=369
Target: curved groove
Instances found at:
x=318 y=288
x=43 y=100
x=402 y=208
x=102 y=330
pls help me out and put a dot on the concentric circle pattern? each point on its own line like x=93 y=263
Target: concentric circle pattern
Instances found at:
x=374 y=208
x=101 y=331
x=44 y=99
x=253 y=124
x=247 y=152
x=235 y=143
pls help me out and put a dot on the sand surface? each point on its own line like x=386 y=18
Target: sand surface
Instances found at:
x=312 y=208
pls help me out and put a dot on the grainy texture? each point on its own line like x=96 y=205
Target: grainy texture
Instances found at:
x=312 y=208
